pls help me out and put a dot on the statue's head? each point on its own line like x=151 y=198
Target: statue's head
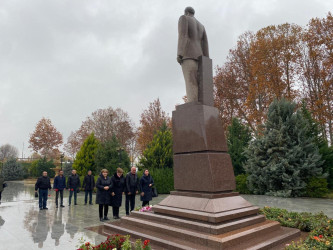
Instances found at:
x=189 y=11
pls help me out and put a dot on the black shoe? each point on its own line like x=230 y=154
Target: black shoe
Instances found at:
x=91 y=204
x=56 y=206
x=117 y=217
x=101 y=219
x=127 y=214
x=75 y=204
x=106 y=218
x=45 y=208
x=69 y=205
x=62 y=206
x=40 y=208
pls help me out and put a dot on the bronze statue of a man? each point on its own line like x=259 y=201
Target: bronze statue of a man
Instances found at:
x=192 y=43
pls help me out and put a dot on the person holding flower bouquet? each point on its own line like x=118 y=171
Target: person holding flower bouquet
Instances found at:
x=117 y=191
x=146 y=185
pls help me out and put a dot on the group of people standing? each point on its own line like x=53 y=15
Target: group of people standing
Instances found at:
x=110 y=190
x=73 y=184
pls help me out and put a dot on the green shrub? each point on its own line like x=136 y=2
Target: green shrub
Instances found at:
x=241 y=185
x=317 y=187
x=319 y=226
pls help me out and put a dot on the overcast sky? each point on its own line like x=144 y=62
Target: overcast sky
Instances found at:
x=65 y=59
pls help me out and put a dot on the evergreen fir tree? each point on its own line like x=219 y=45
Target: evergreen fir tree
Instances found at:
x=12 y=170
x=110 y=156
x=238 y=139
x=325 y=151
x=85 y=158
x=158 y=153
x=284 y=158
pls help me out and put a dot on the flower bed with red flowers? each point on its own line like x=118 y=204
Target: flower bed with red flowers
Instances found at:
x=319 y=226
x=117 y=242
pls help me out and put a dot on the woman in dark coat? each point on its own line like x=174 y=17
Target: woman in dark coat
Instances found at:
x=103 y=196
x=146 y=185
x=117 y=189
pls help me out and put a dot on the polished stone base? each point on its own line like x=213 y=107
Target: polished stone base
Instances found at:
x=196 y=222
x=197 y=128
x=204 y=172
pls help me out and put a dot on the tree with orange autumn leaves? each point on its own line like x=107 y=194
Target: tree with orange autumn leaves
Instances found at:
x=104 y=123
x=279 y=61
x=46 y=139
x=151 y=121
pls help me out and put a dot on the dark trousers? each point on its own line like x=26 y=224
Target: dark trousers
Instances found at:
x=130 y=199
x=0 y=195
x=86 y=196
x=71 y=194
x=43 y=198
x=144 y=203
x=106 y=210
x=115 y=211
x=61 y=192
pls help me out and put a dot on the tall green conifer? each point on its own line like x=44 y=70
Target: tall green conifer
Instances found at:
x=284 y=158
x=85 y=158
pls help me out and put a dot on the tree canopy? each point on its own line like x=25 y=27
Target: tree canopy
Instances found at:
x=45 y=139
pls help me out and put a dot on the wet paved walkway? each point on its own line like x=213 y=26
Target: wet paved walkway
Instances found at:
x=23 y=226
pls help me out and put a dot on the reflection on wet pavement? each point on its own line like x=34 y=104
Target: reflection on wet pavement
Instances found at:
x=23 y=226
x=311 y=205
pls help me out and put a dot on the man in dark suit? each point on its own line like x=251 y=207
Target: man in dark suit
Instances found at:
x=73 y=184
x=192 y=43
x=42 y=185
x=88 y=185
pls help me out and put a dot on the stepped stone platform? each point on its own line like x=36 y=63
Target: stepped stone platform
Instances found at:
x=211 y=223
